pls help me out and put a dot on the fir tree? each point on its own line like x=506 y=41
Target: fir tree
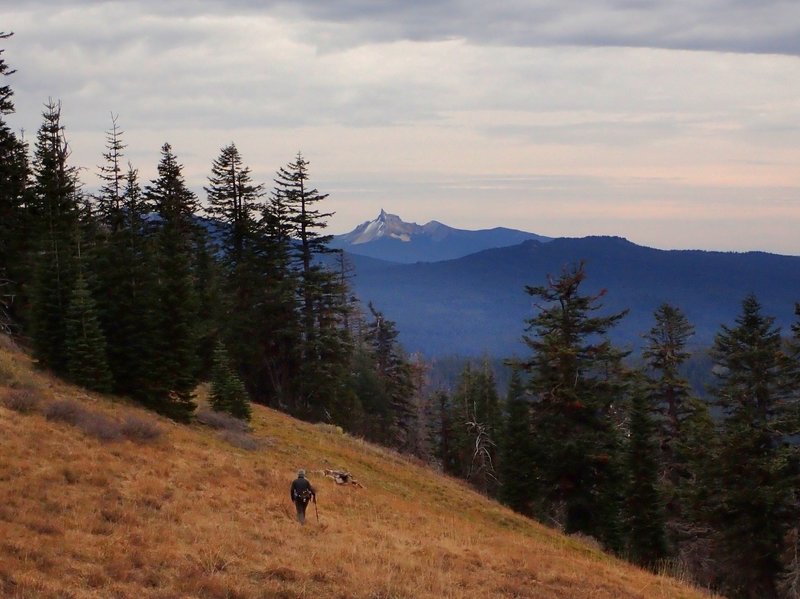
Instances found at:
x=756 y=507
x=576 y=380
x=110 y=197
x=271 y=359
x=174 y=375
x=644 y=502
x=85 y=344
x=669 y=395
x=14 y=222
x=324 y=344
x=227 y=390
x=394 y=372
x=56 y=210
x=234 y=203
x=515 y=462
x=130 y=301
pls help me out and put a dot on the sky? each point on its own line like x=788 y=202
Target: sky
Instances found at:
x=673 y=124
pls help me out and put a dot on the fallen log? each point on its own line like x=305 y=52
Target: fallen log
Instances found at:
x=341 y=477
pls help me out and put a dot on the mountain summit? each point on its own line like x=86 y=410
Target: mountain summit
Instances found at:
x=386 y=226
x=388 y=237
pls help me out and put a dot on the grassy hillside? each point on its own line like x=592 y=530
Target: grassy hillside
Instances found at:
x=101 y=499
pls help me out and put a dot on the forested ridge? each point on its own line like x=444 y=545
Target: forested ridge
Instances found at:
x=123 y=291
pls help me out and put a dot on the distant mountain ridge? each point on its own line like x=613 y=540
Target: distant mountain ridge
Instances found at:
x=388 y=237
x=477 y=304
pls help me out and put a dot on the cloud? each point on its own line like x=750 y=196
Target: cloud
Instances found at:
x=438 y=109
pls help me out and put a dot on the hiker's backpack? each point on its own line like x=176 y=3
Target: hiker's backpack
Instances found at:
x=305 y=495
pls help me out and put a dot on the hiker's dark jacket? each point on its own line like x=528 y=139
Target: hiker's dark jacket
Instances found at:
x=302 y=490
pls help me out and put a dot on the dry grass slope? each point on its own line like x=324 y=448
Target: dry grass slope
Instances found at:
x=186 y=513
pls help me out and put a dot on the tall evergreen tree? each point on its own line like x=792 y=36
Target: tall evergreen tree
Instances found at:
x=14 y=224
x=669 y=395
x=234 y=204
x=664 y=355
x=271 y=364
x=129 y=304
x=394 y=372
x=576 y=380
x=324 y=348
x=644 y=502
x=174 y=373
x=515 y=462
x=756 y=507
x=56 y=210
x=110 y=196
x=293 y=190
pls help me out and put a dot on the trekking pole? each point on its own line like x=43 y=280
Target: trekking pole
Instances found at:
x=316 y=511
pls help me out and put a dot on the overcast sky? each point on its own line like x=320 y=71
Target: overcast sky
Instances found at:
x=674 y=124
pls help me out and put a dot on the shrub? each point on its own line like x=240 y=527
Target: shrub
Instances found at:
x=23 y=401
x=222 y=421
x=94 y=424
x=65 y=410
x=241 y=440
x=100 y=426
x=140 y=430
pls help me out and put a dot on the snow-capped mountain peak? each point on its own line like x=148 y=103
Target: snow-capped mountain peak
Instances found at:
x=385 y=226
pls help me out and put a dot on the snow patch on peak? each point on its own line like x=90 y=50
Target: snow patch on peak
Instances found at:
x=386 y=225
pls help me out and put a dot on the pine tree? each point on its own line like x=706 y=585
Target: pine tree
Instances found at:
x=85 y=344
x=14 y=223
x=130 y=303
x=394 y=371
x=324 y=344
x=174 y=374
x=669 y=394
x=56 y=213
x=110 y=197
x=271 y=361
x=644 y=502
x=664 y=355
x=698 y=491
x=756 y=507
x=227 y=390
x=576 y=381
x=515 y=462
x=234 y=204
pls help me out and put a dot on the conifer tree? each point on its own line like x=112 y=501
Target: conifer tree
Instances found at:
x=669 y=395
x=85 y=344
x=576 y=381
x=130 y=302
x=56 y=213
x=664 y=354
x=271 y=363
x=757 y=482
x=14 y=187
x=394 y=372
x=110 y=197
x=698 y=491
x=644 y=502
x=324 y=343
x=234 y=204
x=174 y=373
x=227 y=390
x=515 y=462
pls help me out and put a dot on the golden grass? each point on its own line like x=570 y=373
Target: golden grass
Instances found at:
x=190 y=515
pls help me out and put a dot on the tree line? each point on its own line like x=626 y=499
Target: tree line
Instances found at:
x=140 y=290
x=629 y=455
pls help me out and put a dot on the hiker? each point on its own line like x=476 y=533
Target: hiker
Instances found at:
x=302 y=492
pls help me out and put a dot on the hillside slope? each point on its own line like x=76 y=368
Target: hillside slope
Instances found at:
x=190 y=514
